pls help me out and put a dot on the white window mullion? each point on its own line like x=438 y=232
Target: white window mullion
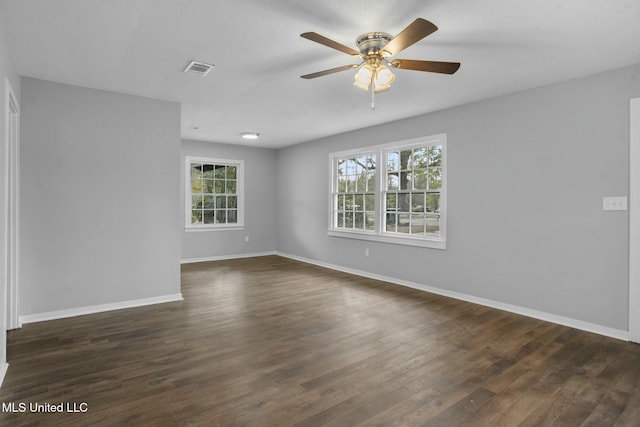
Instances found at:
x=381 y=194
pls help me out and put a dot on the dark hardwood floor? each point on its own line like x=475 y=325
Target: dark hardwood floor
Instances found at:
x=274 y=342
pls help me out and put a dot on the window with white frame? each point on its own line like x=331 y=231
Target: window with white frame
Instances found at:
x=355 y=192
x=214 y=190
x=393 y=193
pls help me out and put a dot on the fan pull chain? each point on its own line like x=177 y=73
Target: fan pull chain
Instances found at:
x=373 y=89
x=373 y=99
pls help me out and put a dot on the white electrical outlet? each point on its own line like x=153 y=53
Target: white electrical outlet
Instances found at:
x=618 y=203
x=366 y=251
x=246 y=239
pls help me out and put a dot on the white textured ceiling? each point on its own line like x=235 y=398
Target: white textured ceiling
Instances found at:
x=140 y=47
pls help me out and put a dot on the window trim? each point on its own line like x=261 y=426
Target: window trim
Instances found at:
x=379 y=235
x=239 y=225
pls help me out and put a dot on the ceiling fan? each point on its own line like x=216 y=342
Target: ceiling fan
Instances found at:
x=375 y=49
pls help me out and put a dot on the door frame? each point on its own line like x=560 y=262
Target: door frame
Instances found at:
x=12 y=207
x=634 y=220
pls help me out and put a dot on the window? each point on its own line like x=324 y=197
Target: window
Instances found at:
x=356 y=185
x=412 y=196
x=213 y=193
x=393 y=193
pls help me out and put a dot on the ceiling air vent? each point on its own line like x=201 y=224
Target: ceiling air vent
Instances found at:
x=199 y=68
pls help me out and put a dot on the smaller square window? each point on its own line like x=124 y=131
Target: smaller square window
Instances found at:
x=214 y=198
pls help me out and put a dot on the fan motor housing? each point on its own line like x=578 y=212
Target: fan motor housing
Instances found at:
x=372 y=43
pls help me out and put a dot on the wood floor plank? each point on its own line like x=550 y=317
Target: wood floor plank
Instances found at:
x=608 y=410
x=269 y=341
x=462 y=410
x=630 y=415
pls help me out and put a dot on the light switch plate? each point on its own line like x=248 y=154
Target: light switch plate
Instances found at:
x=618 y=203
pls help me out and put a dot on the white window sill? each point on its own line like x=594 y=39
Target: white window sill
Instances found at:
x=387 y=238
x=219 y=228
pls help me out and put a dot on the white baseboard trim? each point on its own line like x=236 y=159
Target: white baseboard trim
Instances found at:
x=540 y=315
x=60 y=314
x=3 y=372
x=224 y=257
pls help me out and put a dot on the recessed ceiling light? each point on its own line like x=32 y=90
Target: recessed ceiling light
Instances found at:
x=250 y=135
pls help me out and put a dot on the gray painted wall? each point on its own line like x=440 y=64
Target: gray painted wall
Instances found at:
x=7 y=70
x=260 y=204
x=100 y=197
x=527 y=173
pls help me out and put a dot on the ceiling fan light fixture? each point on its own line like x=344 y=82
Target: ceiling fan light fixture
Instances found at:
x=380 y=76
x=363 y=77
x=384 y=78
x=250 y=135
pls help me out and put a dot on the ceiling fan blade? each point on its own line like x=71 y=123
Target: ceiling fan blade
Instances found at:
x=431 y=66
x=329 y=71
x=414 y=32
x=329 y=43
